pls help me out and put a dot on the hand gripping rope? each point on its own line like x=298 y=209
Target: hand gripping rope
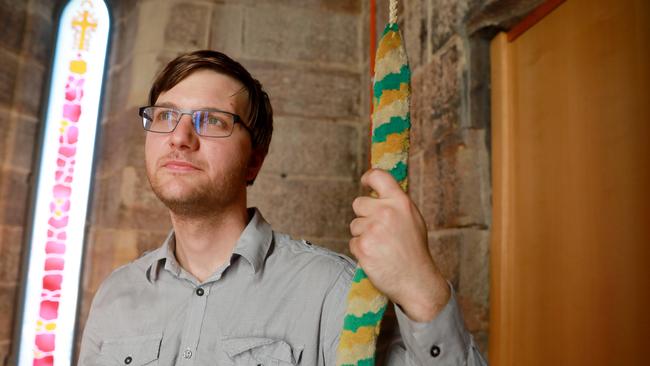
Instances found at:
x=391 y=122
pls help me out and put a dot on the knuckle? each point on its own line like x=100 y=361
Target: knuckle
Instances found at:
x=364 y=246
x=385 y=213
x=404 y=202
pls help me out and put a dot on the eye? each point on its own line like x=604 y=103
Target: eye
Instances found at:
x=165 y=116
x=215 y=121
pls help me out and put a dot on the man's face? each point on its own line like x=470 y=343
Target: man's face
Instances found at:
x=196 y=175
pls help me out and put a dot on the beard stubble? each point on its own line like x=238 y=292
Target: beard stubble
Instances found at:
x=199 y=200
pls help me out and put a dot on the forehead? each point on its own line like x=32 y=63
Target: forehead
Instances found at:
x=207 y=89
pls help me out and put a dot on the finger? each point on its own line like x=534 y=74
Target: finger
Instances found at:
x=365 y=206
x=381 y=182
x=354 y=247
x=359 y=226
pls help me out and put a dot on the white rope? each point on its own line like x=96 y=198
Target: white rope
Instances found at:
x=392 y=12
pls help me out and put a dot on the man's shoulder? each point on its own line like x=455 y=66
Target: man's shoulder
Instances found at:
x=127 y=277
x=319 y=258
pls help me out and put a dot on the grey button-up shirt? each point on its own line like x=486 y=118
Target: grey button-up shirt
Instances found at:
x=277 y=301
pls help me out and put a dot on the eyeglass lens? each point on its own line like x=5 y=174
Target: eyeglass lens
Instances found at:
x=205 y=122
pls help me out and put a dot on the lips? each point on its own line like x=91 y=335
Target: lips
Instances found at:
x=179 y=165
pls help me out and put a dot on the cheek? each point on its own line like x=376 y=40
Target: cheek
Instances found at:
x=151 y=150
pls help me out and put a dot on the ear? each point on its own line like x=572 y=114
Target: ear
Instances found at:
x=255 y=164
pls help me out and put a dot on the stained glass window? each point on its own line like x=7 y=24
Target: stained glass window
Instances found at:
x=64 y=175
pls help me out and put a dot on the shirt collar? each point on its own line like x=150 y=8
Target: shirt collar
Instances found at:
x=255 y=240
x=253 y=245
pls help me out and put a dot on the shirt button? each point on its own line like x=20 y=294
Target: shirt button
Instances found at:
x=187 y=353
x=128 y=360
x=435 y=351
x=200 y=291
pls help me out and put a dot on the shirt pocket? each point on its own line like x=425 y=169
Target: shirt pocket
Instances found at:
x=261 y=351
x=131 y=351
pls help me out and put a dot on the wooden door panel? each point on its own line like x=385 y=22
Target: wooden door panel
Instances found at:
x=571 y=168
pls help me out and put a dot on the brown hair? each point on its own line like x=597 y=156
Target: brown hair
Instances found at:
x=260 y=121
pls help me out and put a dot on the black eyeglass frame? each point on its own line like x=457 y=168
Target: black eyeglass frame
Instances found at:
x=190 y=112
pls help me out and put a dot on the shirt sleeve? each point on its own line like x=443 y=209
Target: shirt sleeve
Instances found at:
x=442 y=341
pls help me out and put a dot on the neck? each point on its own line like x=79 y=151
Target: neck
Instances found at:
x=204 y=243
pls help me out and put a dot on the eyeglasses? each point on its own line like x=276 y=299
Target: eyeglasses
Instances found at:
x=207 y=122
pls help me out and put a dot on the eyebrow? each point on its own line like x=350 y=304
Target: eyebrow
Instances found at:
x=174 y=106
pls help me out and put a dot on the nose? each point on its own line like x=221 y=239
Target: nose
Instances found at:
x=184 y=136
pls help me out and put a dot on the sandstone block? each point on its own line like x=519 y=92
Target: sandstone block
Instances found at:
x=150 y=36
x=28 y=93
x=305 y=207
x=144 y=68
x=150 y=240
x=99 y=257
x=416 y=31
x=45 y=8
x=307 y=92
x=8 y=72
x=5 y=120
x=415 y=177
x=341 y=6
x=124 y=8
x=445 y=247
x=462 y=255
x=312 y=148
x=8 y=294
x=111 y=210
x=297 y=34
x=226 y=33
x=123 y=40
x=475 y=265
x=452 y=64
x=119 y=83
x=5 y=350
x=122 y=143
x=363 y=146
x=456 y=182
x=188 y=26
x=22 y=142
x=13 y=14
x=14 y=197
x=441 y=125
x=444 y=18
x=11 y=248
x=421 y=109
x=474 y=285
x=39 y=37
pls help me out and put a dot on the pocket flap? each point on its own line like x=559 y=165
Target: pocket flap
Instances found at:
x=262 y=349
x=133 y=351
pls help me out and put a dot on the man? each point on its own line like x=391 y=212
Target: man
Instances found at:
x=224 y=289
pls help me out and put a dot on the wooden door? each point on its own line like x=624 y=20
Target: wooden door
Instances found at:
x=570 y=271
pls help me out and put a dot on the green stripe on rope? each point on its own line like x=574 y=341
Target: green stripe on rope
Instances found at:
x=359 y=275
x=400 y=171
x=396 y=124
x=365 y=362
x=352 y=323
x=391 y=27
x=392 y=81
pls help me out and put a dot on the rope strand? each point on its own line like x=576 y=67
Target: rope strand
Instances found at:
x=392 y=12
